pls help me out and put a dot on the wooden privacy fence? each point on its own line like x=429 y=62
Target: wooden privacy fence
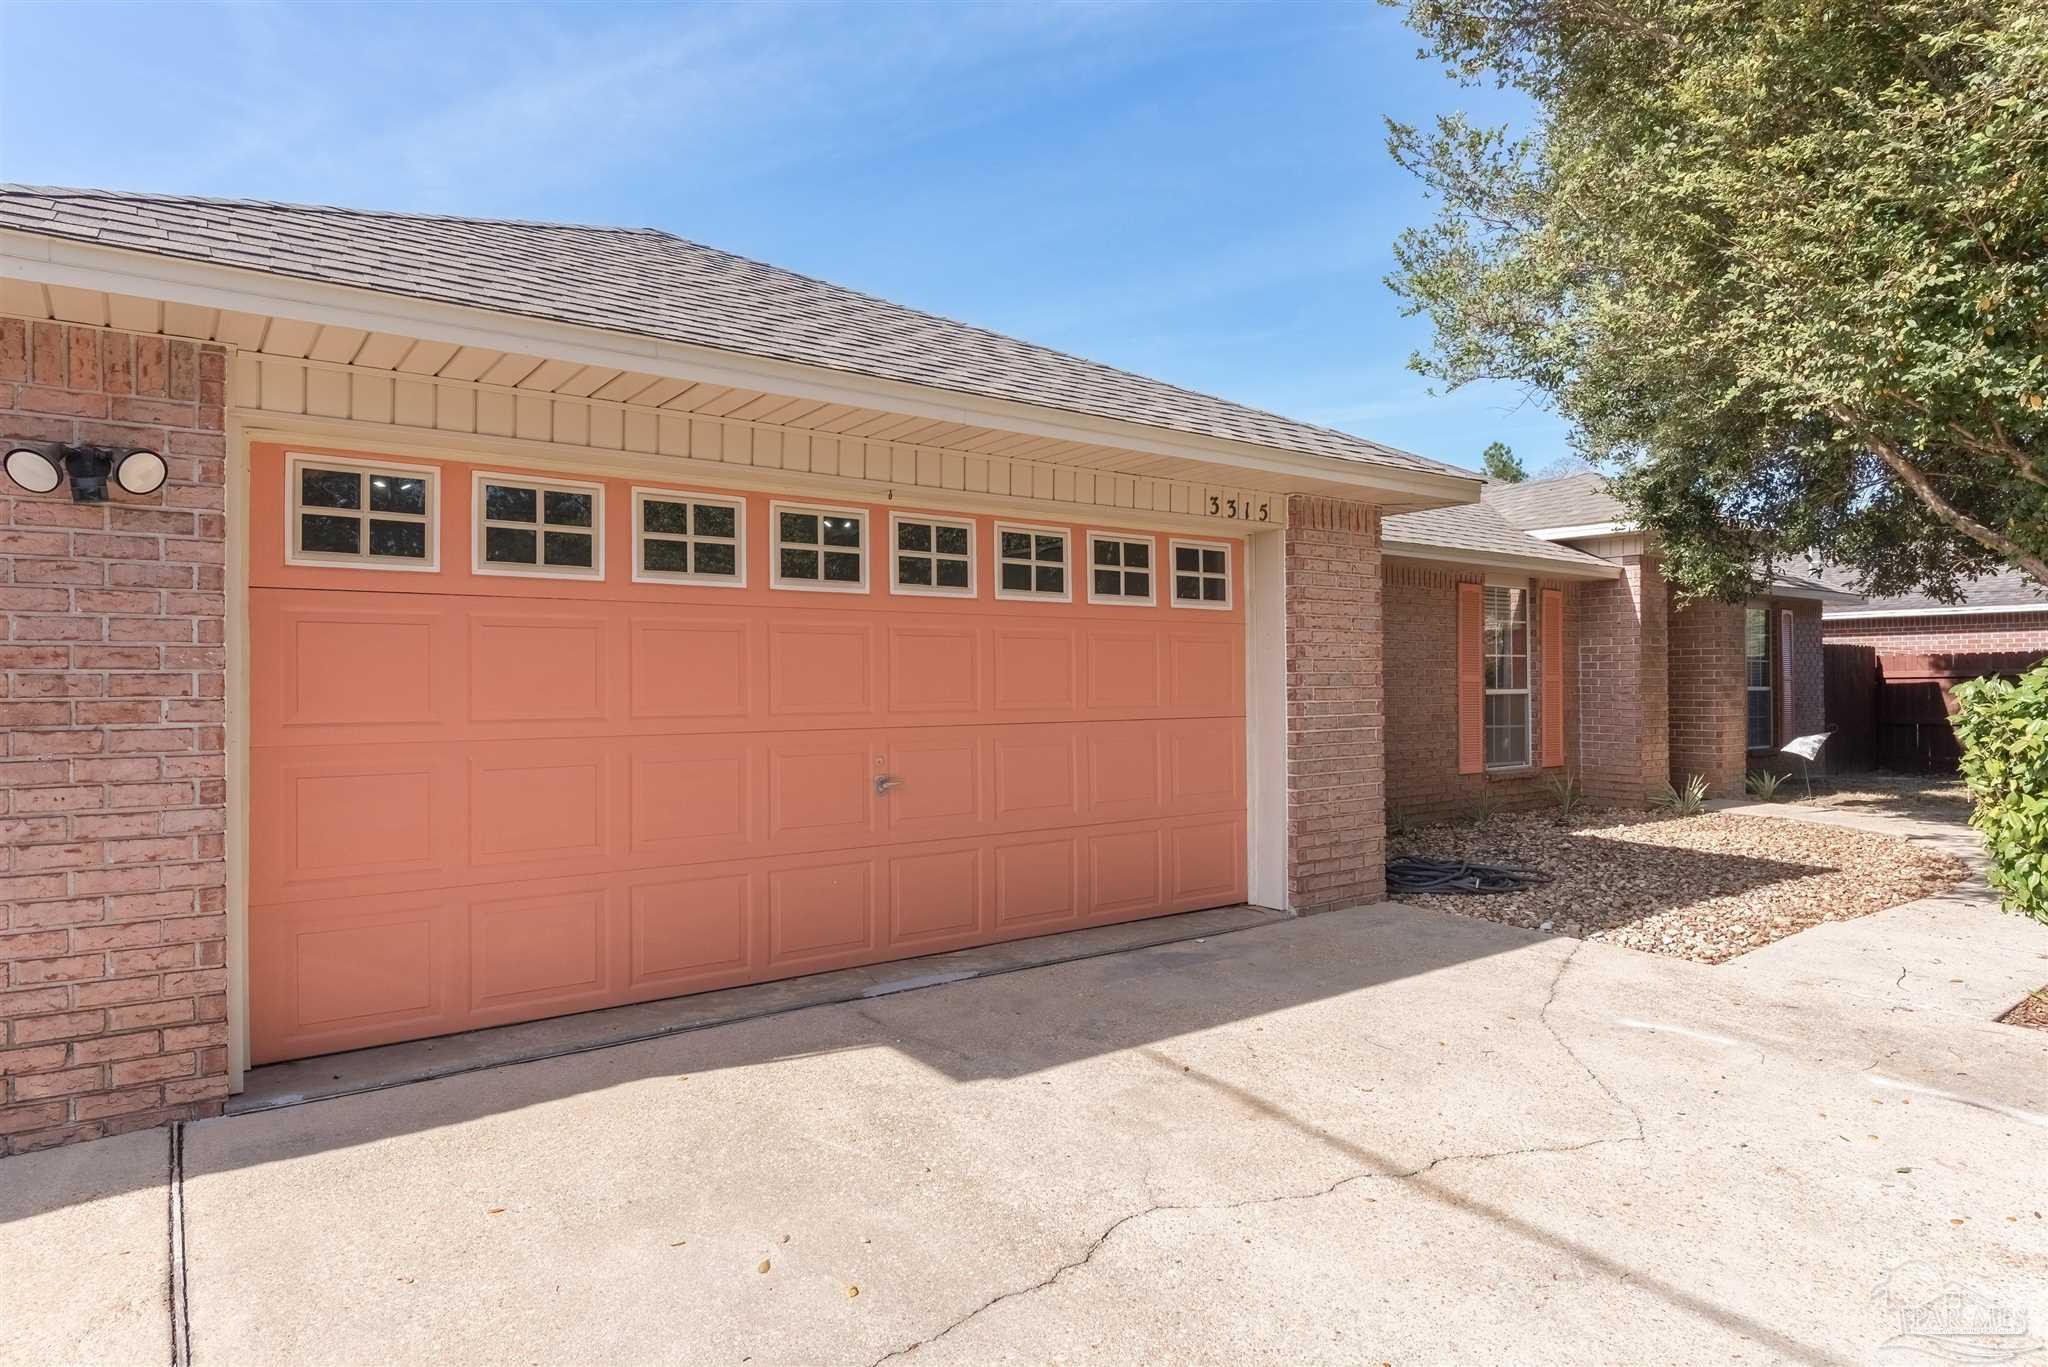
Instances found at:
x=1892 y=711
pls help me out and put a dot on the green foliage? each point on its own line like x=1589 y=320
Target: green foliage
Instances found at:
x=1690 y=800
x=1485 y=807
x=1782 y=264
x=1566 y=792
x=1501 y=464
x=2003 y=727
x=1763 y=784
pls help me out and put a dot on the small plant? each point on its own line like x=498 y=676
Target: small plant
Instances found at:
x=1566 y=792
x=1690 y=800
x=1485 y=807
x=1763 y=784
x=2003 y=727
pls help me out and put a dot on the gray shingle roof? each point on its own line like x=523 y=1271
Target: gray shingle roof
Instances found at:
x=2006 y=589
x=1478 y=528
x=648 y=283
x=1563 y=501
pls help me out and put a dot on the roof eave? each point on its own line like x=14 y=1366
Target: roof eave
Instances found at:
x=77 y=265
x=1957 y=610
x=1396 y=549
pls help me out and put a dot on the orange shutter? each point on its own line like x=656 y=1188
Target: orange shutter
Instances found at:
x=1553 y=678
x=1471 y=680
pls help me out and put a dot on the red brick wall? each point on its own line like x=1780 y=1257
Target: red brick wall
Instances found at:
x=112 y=787
x=1623 y=635
x=1986 y=631
x=1336 y=811
x=1423 y=782
x=1709 y=696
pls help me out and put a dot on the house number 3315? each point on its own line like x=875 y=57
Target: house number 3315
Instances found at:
x=1241 y=509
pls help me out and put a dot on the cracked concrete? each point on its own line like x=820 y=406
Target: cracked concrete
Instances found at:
x=1385 y=1135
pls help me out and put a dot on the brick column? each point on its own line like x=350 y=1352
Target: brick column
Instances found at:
x=1336 y=796
x=1624 y=710
x=1709 y=697
x=112 y=880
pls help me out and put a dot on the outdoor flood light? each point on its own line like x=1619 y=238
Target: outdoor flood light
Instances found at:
x=40 y=466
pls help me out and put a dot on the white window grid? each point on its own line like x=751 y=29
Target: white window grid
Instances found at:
x=778 y=544
x=1040 y=536
x=1147 y=574
x=539 y=528
x=1207 y=554
x=1505 y=638
x=689 y=539
x=367 y=473
x=930 y=556
x=1758 y=718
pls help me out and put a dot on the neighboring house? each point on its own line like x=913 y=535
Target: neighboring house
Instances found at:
x=1999 y=614
x=537 y=618
x=1533 y=634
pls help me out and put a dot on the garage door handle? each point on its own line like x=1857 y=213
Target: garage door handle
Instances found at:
x=884 y=782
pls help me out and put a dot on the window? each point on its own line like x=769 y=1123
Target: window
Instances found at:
x=373 y=516
x=538 y=527
x=1201 y=574
x=1505 y=647
x=1031 y=562
x=1756 y=649
x=1120 y=569
x=933 y=555
x=820 y=548
x=689 y=538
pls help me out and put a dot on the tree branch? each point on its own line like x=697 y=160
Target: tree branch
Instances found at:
x=1910 y=475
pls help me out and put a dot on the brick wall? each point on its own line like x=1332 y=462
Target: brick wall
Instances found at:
x=1985 y=631
x=112 y=789
x=1708 y=677
x=1423 y=782
x=1622 y=733
x=1336 y=815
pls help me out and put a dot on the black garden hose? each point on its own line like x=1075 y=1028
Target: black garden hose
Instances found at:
x=1420 y=874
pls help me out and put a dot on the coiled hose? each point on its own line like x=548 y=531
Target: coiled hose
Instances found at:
x=1416 y=873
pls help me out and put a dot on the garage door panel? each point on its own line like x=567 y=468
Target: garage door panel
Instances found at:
x=1204 y=765
x=935 y=672
x=821 y=669
x=937 y=898
x=544 y=806
x=1124 y=767
x=1123 y=670
x=694 y=668
x=375 y=819
x=821 y=790
x=821 y=914
x=691 y=932
x=1205 y=671
x=939 y=783
x=695 y=797
x=1036 y=671
x=537 y=953
x=324 y=672
x=1205 y=861
x=1037 y=883
x=1126 y=870
x=344 y=974
x=537 y=665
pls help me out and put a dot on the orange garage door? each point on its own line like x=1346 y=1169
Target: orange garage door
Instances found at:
x=526 y=745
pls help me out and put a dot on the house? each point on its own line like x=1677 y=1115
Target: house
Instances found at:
x=510 y=619
x=2004 y=613
x=1532 y=635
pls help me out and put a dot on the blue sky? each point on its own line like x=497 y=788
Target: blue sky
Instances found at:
x=1200 y=193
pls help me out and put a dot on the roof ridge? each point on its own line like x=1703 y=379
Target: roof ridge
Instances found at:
x=10 y=188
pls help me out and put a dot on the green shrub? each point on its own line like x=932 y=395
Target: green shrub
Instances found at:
x=1763 y=784
x=1566 y=792
x=2003 y=727
x=1690 y=800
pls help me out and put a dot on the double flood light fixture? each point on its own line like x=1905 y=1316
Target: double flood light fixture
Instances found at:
x=40 y=466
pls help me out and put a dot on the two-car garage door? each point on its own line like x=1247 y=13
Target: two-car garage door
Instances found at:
x=501 y=773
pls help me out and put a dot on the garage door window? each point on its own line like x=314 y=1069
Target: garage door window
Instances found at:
x=547 y=529
x=1120 y=569
x=1201 y=574
x=1031 y=562
x=819 y=548
x=933 y=556
x=372 y=516
x=689 y=538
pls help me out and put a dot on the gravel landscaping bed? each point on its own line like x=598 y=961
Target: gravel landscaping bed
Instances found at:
x=2033 y=1012
x=1705 y=887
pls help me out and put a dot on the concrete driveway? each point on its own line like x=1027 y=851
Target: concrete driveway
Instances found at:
x=1385 y=1135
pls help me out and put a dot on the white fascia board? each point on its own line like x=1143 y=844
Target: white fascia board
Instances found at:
x=1582 y=530
x=78 y=265
x=1501 y=560
x=1962 y=610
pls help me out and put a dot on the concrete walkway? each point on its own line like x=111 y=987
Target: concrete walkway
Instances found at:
x=1383 y=1135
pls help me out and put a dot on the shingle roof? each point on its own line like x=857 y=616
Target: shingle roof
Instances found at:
x=1477 y=528
x=2006 y=589
x=1579 y=500
x=648 y=283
